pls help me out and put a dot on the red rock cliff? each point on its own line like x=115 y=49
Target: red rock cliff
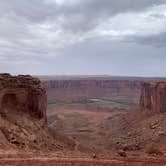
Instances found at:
x=73 y=89
x=22 y=93
x=153 y=96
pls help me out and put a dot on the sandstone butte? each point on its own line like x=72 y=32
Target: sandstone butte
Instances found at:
x=22 y=93
x=153 y=96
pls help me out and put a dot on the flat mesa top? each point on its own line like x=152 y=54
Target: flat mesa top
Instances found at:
x=160 y=84
x=95 y=77
x=20 y=80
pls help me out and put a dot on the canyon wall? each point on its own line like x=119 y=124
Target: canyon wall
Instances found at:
x=91 y=88
x=22 y=93
x=153 y=96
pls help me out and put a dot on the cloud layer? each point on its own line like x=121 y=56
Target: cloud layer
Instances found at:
x=44 y=34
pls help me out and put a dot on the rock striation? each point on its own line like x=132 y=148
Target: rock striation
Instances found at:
x=91 y=88
x=22 y=93
x=153 y=96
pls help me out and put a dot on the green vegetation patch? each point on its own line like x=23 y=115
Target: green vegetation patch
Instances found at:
x=79 y=101
x=113 y=101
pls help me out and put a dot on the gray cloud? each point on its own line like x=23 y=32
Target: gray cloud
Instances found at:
x=79 y=16
x=86 y=14
x=106 y=56
x=36 y=31
x=158 y=40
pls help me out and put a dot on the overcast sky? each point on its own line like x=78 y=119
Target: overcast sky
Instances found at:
x=115 y=37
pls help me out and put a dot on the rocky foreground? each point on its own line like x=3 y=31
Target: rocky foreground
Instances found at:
x=36 y=158
x=23 y=118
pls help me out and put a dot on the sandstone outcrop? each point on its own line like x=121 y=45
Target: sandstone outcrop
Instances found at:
x=23 y=103
x=22 y=93
x=153 y=96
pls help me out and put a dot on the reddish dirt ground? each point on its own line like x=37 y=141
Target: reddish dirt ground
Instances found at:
x=23 y=158
x=110 y=130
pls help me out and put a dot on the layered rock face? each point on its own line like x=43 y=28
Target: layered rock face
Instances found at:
x=22 y=93
x=153 y=96
x=91 y=88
